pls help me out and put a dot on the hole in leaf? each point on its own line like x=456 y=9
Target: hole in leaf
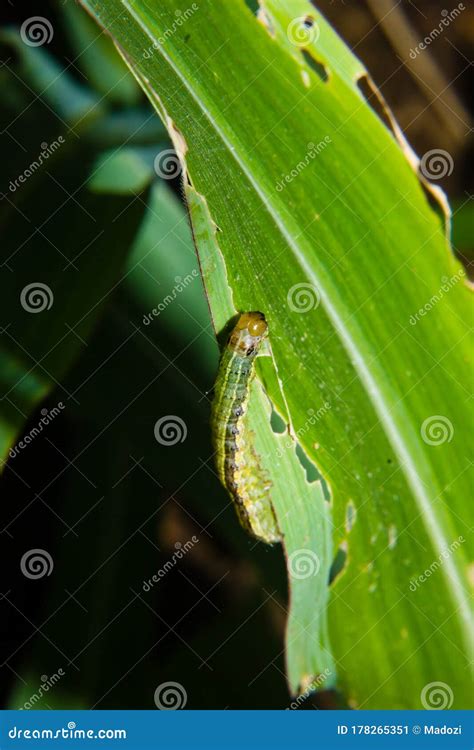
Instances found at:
x=277 y=423
x=253 y=6
x=339 y=563
x=325 y=488
x=312 y=474
x=260 y=13
x=308 y=22
x=317 y=67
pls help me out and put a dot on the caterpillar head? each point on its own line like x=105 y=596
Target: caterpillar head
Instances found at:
x=250 y=330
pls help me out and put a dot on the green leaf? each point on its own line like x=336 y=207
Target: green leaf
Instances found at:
x=54 y=278
x=74 y=104
x=136 y=125
x=324 y=226
x=97 y=57
x=121 y=171
x=163 y=277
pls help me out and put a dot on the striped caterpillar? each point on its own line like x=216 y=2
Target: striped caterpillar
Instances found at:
x=237 y=462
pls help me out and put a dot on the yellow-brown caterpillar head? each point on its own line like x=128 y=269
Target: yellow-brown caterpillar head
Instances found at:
x=249 y=332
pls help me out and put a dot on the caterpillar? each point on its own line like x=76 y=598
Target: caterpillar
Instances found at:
x=236 y=460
